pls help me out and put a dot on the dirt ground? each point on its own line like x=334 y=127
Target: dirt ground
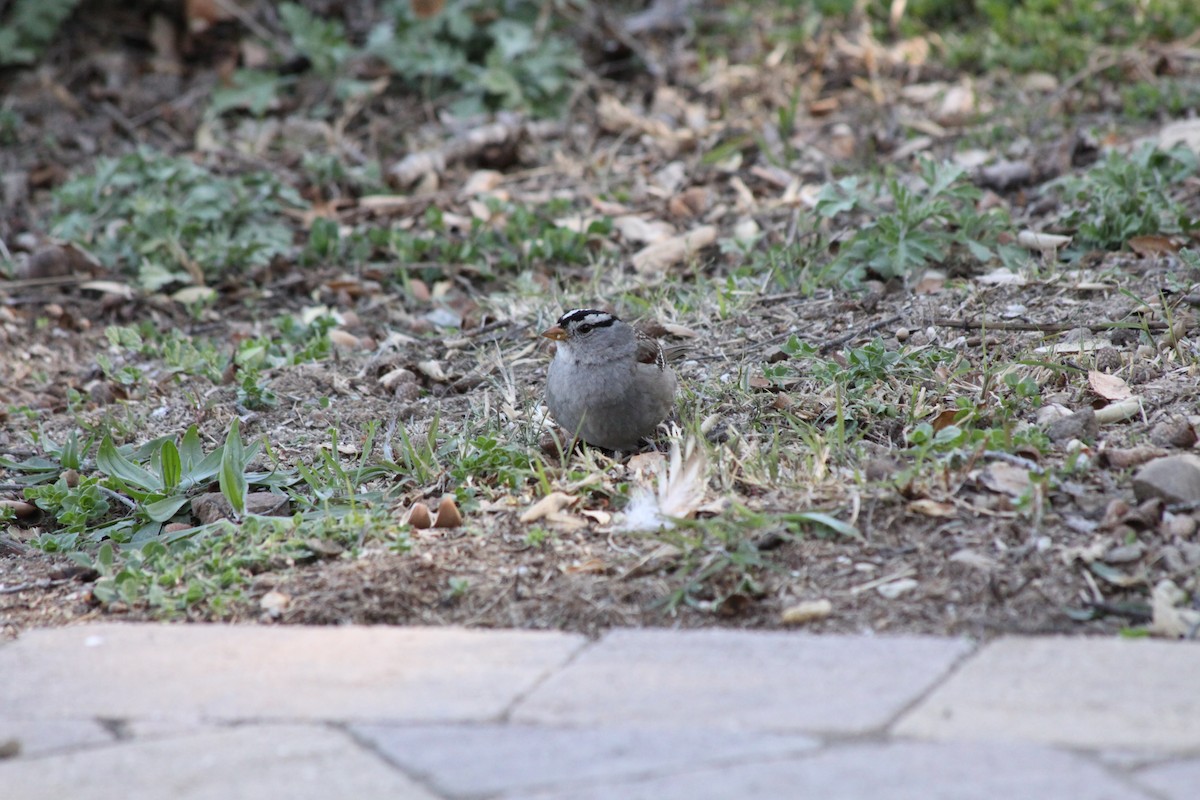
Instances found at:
x=953 y=553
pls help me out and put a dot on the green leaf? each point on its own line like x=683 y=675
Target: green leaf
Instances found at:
x=165 y=509
x=104 y=558
x=110 y=460
x=170 y=466
x=232 y=476
x=191 y=451
x=825 y=520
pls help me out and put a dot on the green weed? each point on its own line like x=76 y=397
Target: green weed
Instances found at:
x=168 y=221
x=1127 y=195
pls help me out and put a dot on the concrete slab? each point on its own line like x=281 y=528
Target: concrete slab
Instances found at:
x=250 y=762
x=898 y=771
x=741 y=680
x=476 y=760
x=224 y=672
x=40 y=736
x=1176 y=780
x=1131 y=694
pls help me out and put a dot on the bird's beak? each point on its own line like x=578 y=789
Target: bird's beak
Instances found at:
x=556 y=333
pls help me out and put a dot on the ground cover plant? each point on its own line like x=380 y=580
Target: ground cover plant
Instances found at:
x=271 y=282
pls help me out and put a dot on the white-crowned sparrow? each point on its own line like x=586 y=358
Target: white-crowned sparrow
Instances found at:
x=609 y=384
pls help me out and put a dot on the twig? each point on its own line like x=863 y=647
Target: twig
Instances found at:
x=845 y=337
x=42 y=584
x=29 y=283
x=1048 y=327
x=1015 y=460
x=120 y=498
x=122 y=121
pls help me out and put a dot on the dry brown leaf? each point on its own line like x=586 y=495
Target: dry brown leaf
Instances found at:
x=1109 y=387
x=932 y=508
x=343 y=340
x=425 y=9
x=202 y=14
x=482 y=181
x=643 y=231
x=806 y=611
x=944 y=419
x=691 y=202
x=1005 y=478
x=931 y=282
x=592 y=565
x=433 y=370
x=1154 y=245
x=682 y=331
x=665 y=254
x=548 y=506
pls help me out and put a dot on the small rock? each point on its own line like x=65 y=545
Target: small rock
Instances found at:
x=881 y=468
x=274 y=603
x=10 y=748
x=1175 y=479
x=1174 y=432
x=1190 y=552
x=49 y=262
x=1080 y=425
x=1182 y=526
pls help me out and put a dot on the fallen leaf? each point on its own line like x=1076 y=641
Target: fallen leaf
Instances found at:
x=482 y=181
x=592 y=565
x=432 y=370
x=932 y=508
x=1044 y=242
x=665 y=254
x=1110 y=387
x=807 y=611
x=1153 y=245
x=551 y=503
x=1005 y=478
x=1001 y=277
x=122 y=290
x=944 y=419
x=643 y=231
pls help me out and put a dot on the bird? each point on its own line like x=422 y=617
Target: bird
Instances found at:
x=609 y=384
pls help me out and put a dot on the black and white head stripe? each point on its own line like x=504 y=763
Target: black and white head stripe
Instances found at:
x=583 y=320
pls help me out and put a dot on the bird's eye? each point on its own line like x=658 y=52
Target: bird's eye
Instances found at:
x=585 y=327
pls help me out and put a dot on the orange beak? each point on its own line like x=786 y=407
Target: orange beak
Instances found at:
x=557 y=333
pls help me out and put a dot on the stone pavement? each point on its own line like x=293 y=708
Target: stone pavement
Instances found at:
x=181 y=712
